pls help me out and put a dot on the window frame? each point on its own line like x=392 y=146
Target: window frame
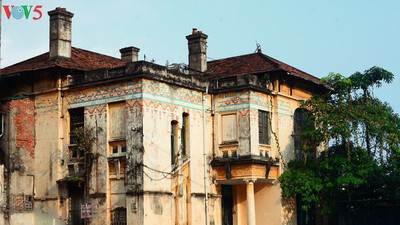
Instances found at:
x=119 y=105
x=222 y=130
x=264 y=127
x=120 y=146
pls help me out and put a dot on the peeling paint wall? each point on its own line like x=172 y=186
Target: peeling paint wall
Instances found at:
x=173 y=184
x=24 y=122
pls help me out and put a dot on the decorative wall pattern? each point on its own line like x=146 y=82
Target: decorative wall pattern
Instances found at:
x=135 y=106
x=232 y=101
x=106 y=92
x=284 y=107
x=100 y=110
x=133 y=91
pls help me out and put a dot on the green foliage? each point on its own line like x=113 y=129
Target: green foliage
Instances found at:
x=361 y=135
x=302 y=181
x=84 y=138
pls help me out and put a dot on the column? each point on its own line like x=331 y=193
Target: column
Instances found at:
x=251 y=206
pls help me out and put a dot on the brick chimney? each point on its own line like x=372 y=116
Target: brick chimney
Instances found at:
x=197 y=44
x=129 y=54
x=60 y=33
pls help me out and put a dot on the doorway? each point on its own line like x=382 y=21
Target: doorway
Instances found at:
x=76 y=200
x=227 y=204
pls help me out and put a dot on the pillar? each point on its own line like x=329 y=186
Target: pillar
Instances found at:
x=251 y=206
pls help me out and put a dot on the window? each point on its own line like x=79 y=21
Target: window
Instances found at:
x=117 y=159
x=263 y=127
x=229 y=130
x=301 y=120
x=75 y=154
x=76 y=120
x=117 y=149
x=118 y=216
x=227 y=204
x=185 y=134
x=174 y=141
x=117 y=118
x=116 y=168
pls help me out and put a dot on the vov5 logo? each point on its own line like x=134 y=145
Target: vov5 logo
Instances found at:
x=27 y=11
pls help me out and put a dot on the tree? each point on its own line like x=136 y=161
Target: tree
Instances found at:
x=361 y=136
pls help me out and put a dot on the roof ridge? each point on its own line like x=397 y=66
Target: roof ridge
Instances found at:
x=81 y=59
x=92 y=52
x=233 y=57
x=280 y=62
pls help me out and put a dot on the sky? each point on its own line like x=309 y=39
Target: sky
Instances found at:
x=315 y=36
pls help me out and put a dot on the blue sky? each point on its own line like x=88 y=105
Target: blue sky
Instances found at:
x=315 y=36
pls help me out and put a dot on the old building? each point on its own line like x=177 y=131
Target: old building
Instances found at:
x=202 y=144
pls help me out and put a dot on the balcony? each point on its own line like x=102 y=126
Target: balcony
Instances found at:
x=234 y=170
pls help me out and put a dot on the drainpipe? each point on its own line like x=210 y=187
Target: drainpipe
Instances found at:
x=205 y=156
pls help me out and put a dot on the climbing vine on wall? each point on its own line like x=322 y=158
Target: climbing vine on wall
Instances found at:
x=85 y=138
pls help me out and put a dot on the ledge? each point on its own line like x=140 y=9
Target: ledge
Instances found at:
x=250 y=159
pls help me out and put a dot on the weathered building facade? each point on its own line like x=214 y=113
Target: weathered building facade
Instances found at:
x=168 y=145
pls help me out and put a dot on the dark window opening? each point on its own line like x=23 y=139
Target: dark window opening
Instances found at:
x=1 y=124
x=174 y=141
x=2 y=157
x=115 y=149
x=74 y=153
x=118 y=216
x=227 y=205
x=305 y=217
x=263 y=127
x=185 y=133
x=77 y=120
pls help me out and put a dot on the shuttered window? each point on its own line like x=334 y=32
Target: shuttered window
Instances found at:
x=174 y=141
x=263 y=127
x=185 y=134
x=229 y=130
x=117 y=116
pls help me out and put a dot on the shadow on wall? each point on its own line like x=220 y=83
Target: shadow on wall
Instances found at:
x=289 y=204
x=289 y=208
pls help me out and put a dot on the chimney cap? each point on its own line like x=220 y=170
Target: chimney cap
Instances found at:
x=129 y=49
x=60 y=10
x=196 y=34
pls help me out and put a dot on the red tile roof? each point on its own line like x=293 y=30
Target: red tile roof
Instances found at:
x=253 y=64
x=80 y=60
